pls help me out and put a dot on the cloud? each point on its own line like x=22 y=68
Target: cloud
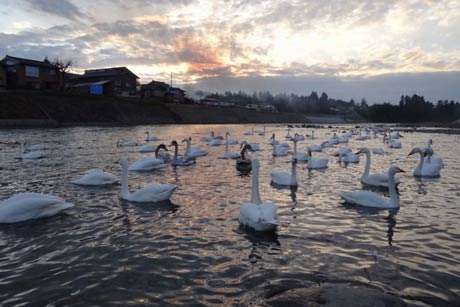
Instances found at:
x=60 y=8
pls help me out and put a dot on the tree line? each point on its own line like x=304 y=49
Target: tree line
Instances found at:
x=411 y=109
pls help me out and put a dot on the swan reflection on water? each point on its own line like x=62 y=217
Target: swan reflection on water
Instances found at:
x=366 y=212
x=263 y=242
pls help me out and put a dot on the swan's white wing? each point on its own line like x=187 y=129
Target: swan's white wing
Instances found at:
x=96 y=178
x=145 y=163
x=365 y=198
x=301 y=156
x=281 y=178
x=25 y=206
x=153 y=193
x=379 y=179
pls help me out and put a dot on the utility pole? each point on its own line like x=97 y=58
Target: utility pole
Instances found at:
x=171 y=80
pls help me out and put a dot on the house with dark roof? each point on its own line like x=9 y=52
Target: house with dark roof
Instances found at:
x=154 y=89
x=122 y=81
x=176 y=95
x=2 y=77
x=30 y=74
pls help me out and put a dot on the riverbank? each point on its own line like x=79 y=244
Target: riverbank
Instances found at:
x=42 y=109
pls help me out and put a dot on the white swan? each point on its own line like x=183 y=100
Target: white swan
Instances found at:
x=262 y=133
x=146 y=148
x=34 y=147
x=193 y=152
x=327 y=144
x=378 y=151
x=149 y=138
x=285 y=178
x=149 y=163
x=312 y=136
x=31 y=155
x=299 y=137
x=299 y=156
x=122 y=143
x=150 y=193
x=349 y=158
x=27 y=206
x=378 y=179
x=255 y=214
x=277 y=149
x=227 y=154
x=214 y=141
x=342 y=151
x=243 y=163
x=422 y=169
x=316 y=148
x=230 y=142
x=249 y=132
x=316 y=163
x=180 y=160
x=288 y=135
x=96 y=178
x=371 y=199
x=429 y=153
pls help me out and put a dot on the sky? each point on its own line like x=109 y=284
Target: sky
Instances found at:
x=378 y=50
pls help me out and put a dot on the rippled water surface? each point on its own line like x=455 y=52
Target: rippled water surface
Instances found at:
x=192 y=250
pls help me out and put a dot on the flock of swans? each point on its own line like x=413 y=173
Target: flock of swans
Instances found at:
x=256 y=214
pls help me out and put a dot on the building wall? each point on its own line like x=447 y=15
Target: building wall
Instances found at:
x=123 y=84
x=2 y=78
x=48 y=78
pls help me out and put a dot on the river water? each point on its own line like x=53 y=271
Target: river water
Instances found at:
x=192 y=251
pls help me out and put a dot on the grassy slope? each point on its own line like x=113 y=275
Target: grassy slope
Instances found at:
x=80 y=109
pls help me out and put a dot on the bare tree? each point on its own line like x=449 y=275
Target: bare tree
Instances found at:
x=63 y=66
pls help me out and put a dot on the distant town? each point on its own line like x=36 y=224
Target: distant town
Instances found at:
x=33 y=75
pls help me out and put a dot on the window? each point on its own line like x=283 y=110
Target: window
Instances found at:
x=52 y=72
x=32 y=71
x=11 y=69
x=127 y=84
x=118 y=83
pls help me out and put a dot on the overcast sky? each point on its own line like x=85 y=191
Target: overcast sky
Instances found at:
x=350 y=49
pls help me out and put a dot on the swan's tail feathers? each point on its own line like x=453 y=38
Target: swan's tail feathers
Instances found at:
x=273 y=222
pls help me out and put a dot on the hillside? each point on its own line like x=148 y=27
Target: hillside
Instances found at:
x=55 y=109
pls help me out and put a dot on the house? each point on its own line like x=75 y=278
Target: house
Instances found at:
x=124 y=81
x=30 y=74
x=154 y=89
x=2 y=77
x=176 y=95
x=104 y=87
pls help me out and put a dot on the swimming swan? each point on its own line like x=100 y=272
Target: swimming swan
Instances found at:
x=149 y=163
x=96 y=178
x=31 y=155
x=180 y=160
x=422 y=169
x=316 y=163
x=255 y=214
x=150 y=193
x=193 y=152
x=27 y=206
x=379 y=179
x=429 y=153
x=278 y=150
x=243 y=163
x=150 y=138
x=227 y=154
x=299 y=156
x=372 y=199
x=146 y=148
x=285 y=178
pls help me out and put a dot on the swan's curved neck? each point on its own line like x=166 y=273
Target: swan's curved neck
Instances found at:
x=392 y=187
x=295 y=149
x=418 y=169
x=243 y=153
x=368 y=165
x=124 y=180
x=189 y=146
x=175 y=151
x=226 y=143
x=255 y=197
x=156 y=152
x=293 y=173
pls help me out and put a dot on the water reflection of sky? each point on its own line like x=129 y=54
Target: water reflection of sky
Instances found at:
x=192 y=249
